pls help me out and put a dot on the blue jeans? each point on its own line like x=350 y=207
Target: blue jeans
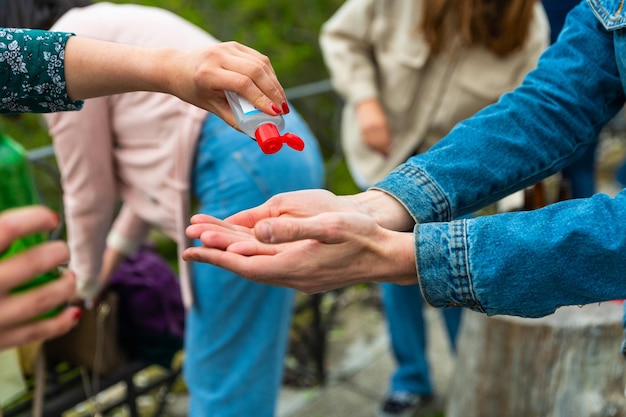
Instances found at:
x=404 y=311
x=237 y=330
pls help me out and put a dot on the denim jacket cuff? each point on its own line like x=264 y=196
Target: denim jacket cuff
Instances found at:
x=442 y=266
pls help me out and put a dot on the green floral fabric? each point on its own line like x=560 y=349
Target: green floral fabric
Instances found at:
x=32 y=76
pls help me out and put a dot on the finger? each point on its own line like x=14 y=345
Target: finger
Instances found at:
x=243 y=245
x=257 y=59
x=254 y=247
x=222 y=110
x=26 y=305
x=303 y=203
x=24 y=221
x=275 y=270
x=194 y=231
x=256 y=268
x=261 y=70
x=33 y=262
x=205 y=219
x=249 y=74
x=248 y=218
x=327 y=228
x=40 y=330
x=222 y=240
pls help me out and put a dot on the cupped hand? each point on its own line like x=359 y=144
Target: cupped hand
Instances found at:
x=385 y=209
x=304 y=203
x=18 y=311
x=311 y=254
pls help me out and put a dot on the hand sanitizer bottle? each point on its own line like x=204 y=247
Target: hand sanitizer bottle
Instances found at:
x=262 y=127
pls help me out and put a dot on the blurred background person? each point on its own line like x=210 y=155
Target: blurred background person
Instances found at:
x=408 y=72
x=153 y=152
x=30 y=84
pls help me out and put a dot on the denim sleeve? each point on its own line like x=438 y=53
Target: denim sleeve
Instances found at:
x=528 y=263
x=529 y=134
x=32 y=72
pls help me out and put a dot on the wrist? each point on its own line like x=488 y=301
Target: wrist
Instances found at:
x=402 y=267
x=385 y=209
x=162 y=70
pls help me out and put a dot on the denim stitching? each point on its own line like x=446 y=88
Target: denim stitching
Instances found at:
x=441 y=205
x=609 y=20
x=460 y=253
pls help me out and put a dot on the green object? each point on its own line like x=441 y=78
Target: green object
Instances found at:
x=17 y=189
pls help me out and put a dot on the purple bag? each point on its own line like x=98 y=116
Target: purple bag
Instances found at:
x=151 y=311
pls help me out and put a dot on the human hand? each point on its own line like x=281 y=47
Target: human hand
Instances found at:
x=373 y=126
x=304 y=203
x=17 y=311
x=312 y=254
x=386 y=210
x=230 y=66
x=96 y=68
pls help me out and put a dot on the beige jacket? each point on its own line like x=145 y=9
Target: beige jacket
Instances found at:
x=373 y=49
x=132 y=148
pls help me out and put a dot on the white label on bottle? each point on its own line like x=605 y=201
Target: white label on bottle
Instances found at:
x=247 y=107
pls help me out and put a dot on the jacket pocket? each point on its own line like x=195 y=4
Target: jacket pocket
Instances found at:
x=400 y=70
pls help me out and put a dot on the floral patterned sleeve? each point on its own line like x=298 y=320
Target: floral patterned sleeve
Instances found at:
x=32 y=76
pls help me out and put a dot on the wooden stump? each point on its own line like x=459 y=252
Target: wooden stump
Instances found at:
x=566 y=365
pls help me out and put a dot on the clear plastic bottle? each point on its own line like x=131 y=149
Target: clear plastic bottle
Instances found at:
x=262 y=127
x=17 y=189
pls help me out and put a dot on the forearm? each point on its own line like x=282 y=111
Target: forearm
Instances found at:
x=506 y=263
x=530 y=134
x=96 y=68
x=111 y=260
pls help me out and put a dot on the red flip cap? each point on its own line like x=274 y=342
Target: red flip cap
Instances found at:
x=270 y=140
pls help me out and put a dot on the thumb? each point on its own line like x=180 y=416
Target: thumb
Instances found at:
x=289 y=229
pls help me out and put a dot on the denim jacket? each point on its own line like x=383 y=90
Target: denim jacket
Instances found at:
x=529 y=263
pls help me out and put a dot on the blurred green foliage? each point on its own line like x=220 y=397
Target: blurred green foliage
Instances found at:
x=285 y=31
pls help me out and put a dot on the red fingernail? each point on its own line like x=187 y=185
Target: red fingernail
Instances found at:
x=57 y=217
x=285 y=107
x=77 y=314
x=276 y=108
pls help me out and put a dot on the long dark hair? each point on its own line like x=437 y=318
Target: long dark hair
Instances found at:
x=35 y=14
x=501 y=26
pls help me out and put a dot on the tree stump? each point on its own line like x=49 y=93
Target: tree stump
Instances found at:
x=566 y=365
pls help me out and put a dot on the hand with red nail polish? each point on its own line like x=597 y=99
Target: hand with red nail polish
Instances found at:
x=20 y=314
x=276 y=109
